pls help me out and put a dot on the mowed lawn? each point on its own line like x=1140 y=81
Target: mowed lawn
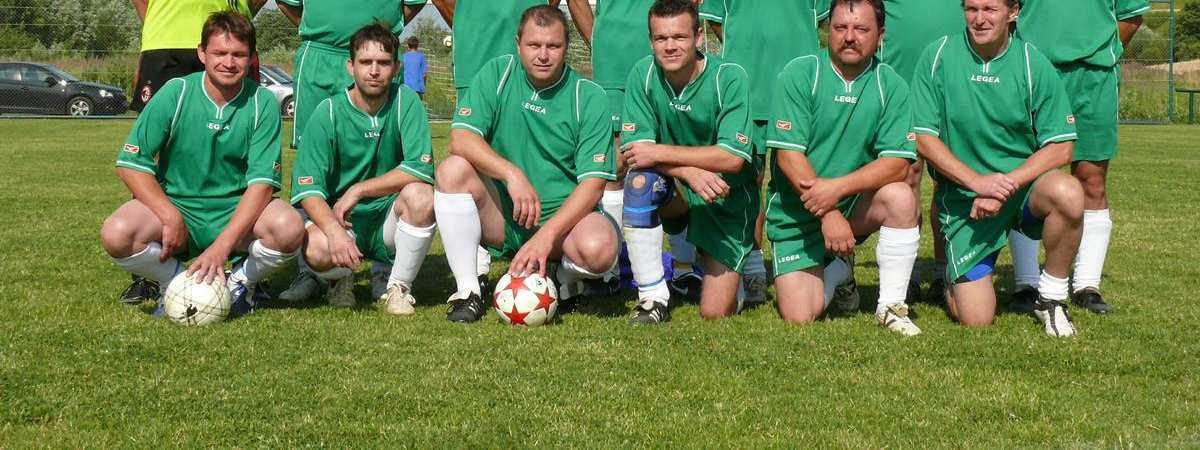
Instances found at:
x=77 y=369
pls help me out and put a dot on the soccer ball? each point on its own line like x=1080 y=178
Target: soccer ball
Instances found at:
x=448 y=41
x=529 y=300
x=188 y=301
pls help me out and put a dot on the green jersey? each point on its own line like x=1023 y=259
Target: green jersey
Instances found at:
x=992 y=114
x=343 y=145
x=762 y=36
x=174 y=24
x=484 y=29
x=334 y=22
x=840 y=125
x=911 y=25
x=712 y=109
x=619 y=39
x=203 y=152
x=558 y=136
x=1078 y=31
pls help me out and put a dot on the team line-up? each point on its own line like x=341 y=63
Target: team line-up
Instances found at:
x=558 y=172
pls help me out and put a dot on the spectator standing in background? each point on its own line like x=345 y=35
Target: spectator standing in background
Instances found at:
x=416 y=68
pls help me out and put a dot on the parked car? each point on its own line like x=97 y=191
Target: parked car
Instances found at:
x=276 y=80
x=32 y=88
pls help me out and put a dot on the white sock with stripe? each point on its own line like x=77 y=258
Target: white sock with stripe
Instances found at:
x=645 y=258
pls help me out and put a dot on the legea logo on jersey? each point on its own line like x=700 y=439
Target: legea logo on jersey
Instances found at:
x=845 y=99
x=989 y=79
x=783 y=125
x=372 y=134
x=629 y=127
x=304 y=180
x=534 y=108
x=743 y=139
x=217 y=127
x=788 y=258
x=681 y=107
x=465 y=112
x=132 y=148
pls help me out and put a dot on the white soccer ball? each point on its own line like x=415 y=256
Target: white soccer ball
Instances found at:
x=448 y=41
x=190 y=302
x=529 y=300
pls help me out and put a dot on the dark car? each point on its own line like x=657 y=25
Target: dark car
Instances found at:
x=30 y=88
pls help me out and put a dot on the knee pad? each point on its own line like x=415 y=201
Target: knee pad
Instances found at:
x=983 y=269
x=645 y=192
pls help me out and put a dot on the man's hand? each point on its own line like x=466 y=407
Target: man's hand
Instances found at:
x=708 y=185
x=821 y=195
x=997 y=185
x=984 y=208
x=343 y=251
x=345 y=204
x=527 y=207
x=533 y=255
x=174 y=235
x=210 y=265
x=839 y=238
x=642 y=155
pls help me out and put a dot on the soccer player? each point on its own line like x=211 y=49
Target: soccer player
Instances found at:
x=364 y=176
x=762 y=38
x=842 y=140
x=481 y=31
x=540 y=134
x=326 y=27
x=170 y=34
x=687 y=118
x=993 y=120
x=1084 y=40
x=911 y=26
x=202 y=162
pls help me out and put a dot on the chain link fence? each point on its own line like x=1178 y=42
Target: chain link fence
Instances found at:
x=79 y=58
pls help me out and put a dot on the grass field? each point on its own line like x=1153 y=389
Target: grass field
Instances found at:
x=79 y=370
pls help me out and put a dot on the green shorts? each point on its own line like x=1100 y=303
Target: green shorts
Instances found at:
x=796 y=239
x=1094 y=93
x=371 y=223
x=724 y=229
x=205 y=219
x=969 y=241
x=320 y=73
x=616 y=103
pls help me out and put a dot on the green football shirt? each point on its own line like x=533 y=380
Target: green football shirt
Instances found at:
x=619 y=39
x=334 y=22
x=1077 y=31
x=176 y=24
x=763 y=36
x=559 y=136
x=713 y=109
x=343 y=145
x=992 y=114
x=200 y=151
x=911 y=25
x=484 y=29
x=840 y=125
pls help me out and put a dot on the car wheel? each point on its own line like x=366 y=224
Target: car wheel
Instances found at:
x=79 y=106
x=289 y=107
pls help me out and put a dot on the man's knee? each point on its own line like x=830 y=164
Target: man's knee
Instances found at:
x=454 y=174
x=284 y=228
x=418 y=204
x=1066 y=194
x=899 y=200
x=116 y=236
x=1094 y=185
x=597 y=253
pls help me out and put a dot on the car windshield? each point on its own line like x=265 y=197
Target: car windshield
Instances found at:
x=279 y=74
x=58 y=73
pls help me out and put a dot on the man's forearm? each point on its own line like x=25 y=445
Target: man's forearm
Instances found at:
x=446 y=9
x=939 y=156
x=711 y=158
x=578 y=205
x=252 y=204
x=1128 y=28
x=1050 y=157
x=795 y=168
x=581 y=14
x=875 y=175
x=292 y=13
x=389 y=183
x=140 y=7
x=411 y=11
x=717 y=31
x=320 y=214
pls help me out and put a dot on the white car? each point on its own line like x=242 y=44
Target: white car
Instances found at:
x=276 y=80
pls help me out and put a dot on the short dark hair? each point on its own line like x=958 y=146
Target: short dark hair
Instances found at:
x=877 y=5
x=671 y=8
x=544 y=16
x=377 y=32
x=413 y=42
x=230 y=22
x=1009 y=3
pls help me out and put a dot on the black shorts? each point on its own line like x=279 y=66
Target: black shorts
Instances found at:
x=156 y=67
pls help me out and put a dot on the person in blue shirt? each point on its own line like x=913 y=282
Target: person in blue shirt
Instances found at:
x=416 y=68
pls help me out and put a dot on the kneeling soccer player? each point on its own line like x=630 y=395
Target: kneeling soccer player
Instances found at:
x=993 y=119
x=202 y=162
x=531 y=149
x=842 y=138
x=364 y=174
x=686 y=117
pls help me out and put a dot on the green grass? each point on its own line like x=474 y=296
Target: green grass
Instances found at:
x=79 y=370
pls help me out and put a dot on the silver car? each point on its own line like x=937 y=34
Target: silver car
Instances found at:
x=276 y=80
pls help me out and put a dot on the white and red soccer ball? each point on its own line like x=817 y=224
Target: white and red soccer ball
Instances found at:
x=528 y=300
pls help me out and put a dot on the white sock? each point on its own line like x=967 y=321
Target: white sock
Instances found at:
x=1093 y=248
x=896 y=254
x=458 y=221
x=1025 y=259
x=645 y=258
x=261 y=262
x=683 y=253
x=146 y=265
x=1052 y=288
x=412 y=244
x=483 y=261
x=569 y=274
x=754 y=264
x=613 y=204
x=835 y=273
